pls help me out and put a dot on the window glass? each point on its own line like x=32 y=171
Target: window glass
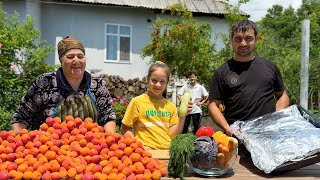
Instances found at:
x=112 y=46
x=113 y=29
x=124 y=30
x=118 y=43
x=124 y=48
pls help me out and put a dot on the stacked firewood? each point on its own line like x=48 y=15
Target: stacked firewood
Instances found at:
x=117 y=86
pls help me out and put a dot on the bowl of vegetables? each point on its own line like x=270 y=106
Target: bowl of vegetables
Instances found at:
x=213 y=155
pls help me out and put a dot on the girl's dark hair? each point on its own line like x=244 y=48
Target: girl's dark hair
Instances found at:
x=244 y=26
x=154 y=67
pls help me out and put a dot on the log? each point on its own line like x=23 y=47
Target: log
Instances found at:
x=131 y=89
x=118 y=92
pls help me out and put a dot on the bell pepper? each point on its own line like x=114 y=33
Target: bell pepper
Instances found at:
x=205 y=131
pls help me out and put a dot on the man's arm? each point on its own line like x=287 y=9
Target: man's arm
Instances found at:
x=218 y=117
x=282 y=100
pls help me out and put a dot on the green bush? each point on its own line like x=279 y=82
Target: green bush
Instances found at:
x=120 y=107
x=5 y=119
x=22 y=60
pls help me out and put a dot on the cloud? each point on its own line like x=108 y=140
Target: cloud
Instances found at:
x=258 y=9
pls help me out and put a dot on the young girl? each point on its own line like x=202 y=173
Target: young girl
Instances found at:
x=154 y=119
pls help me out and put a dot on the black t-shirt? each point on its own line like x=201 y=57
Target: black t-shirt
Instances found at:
x=246 y=88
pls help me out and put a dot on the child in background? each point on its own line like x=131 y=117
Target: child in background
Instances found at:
x=154 y=119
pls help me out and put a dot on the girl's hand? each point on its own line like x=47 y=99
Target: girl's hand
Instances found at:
x=190 y=104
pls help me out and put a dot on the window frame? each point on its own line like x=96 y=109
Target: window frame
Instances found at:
x=118 y=60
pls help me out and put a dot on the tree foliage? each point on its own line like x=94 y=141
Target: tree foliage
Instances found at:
x=22 y=60
x=280 y=41
x=183 y=44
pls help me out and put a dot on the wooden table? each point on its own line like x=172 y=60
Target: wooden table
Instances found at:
x=243 y=169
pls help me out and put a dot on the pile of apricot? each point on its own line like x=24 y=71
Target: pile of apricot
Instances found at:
x=75 y=149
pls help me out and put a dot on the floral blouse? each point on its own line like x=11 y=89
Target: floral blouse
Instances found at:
x=47 y=90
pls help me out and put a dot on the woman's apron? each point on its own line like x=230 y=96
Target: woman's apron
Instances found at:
x=80 y=107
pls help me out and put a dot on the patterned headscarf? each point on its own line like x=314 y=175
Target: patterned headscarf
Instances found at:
x=68 y=43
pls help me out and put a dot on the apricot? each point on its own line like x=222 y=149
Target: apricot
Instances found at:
x=140 y=169
x=135 y=157
x=35 y=175
x=12 y=166
x=110 y=140
x=113 y=176
x=55 y=176
x=43 y=149
x=72 y=173
x=4 y=174
x=46 y=176
x=156 y=175
x=17 y=175
x=50 y=155
x=113 y=147
x=22 y=168
x=127 y=161
x=57 y=120
x=44 y=127
x=69 y=118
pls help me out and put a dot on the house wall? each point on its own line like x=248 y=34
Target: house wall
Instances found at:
x=11 y=7
x=88 y=24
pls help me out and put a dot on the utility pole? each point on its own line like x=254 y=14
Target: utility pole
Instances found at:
x=304 y=69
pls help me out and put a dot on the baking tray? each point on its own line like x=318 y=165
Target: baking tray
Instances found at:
x=293 y=165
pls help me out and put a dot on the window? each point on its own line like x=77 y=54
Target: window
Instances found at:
x=118 y=43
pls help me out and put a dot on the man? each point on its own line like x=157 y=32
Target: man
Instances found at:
x=248 y=86
x=199 y=95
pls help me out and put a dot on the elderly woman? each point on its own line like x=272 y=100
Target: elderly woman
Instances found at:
x=69 y=91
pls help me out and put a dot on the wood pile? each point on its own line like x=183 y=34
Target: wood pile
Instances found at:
x=118 y=86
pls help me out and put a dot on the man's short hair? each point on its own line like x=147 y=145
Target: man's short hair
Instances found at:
x=244 y=26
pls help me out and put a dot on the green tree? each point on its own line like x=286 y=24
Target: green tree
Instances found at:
x=21 y=48
x=280 y=41
x=183 y=44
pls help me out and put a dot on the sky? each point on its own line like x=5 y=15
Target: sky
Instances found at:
x=257 y=9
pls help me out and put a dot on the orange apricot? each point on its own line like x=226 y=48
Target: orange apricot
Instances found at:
x=35 y=175
x=156 y=175
x=69 y=118
x=113 y=147
x=57 y=120
x=50 y=155
x=113 y=176
x=22 y=167
x=128 y=151
x=72 y=173
x=27 y=175
x=135 y=157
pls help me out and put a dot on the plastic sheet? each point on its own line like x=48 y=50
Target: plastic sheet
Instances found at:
x=277 y=138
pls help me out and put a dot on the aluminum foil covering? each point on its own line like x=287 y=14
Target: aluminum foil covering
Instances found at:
x=277 y=138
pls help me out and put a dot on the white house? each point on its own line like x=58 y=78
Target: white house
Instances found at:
x=112 y=31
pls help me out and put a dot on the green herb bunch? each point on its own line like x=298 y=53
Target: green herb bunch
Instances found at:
x=181 y=150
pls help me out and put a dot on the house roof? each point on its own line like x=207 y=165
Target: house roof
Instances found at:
x=195 y=6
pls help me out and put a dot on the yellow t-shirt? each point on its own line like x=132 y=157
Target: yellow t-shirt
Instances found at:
x=151 y=120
